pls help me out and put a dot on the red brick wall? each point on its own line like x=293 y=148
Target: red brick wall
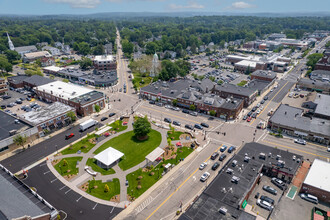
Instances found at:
x=322 y=195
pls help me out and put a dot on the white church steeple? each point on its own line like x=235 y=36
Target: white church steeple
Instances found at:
x=10 y=43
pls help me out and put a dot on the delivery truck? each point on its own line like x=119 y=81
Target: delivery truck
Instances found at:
x=87 y=124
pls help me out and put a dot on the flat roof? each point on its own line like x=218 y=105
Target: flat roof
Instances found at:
x=64 y=90
x=53 y=68
x=8 y=124
x=88 y=97
x=104 y=58
x=323 y=104
x=17 y=79
x=235 y=89
x=319 y=175
x=246 y=63
x=17 y=200
x=264 y=73
x=155 y=154
x=46 y=113
x=37 y=54
x=109 y=156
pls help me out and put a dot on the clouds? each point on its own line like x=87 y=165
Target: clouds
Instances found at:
x=78 y=3
x=241 y=5
x=189 y=5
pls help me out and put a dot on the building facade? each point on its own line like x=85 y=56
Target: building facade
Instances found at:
x=105 y=62
x=3 y=86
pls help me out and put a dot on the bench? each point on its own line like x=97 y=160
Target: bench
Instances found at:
x=90 y=172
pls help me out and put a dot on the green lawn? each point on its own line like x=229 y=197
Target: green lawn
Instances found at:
x=92 y=163
x=134 y=149
x=147 y=180
x=84 y=145
x=176 y=135
x=72 y=166
x=118 y=126
x=114 y=189
x=242 y=83
x=140 y=81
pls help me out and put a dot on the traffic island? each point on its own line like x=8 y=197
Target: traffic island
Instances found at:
x=84 y=145
x=103 y=190
x=67 y=167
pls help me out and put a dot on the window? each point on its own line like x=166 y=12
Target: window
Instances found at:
x=51 y=122
x=43 y=126
x=58 y=118
x=4 y=148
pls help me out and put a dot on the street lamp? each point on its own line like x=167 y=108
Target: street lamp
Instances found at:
x=56 y=149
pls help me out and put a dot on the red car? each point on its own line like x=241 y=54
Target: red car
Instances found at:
x=248 y=119
x=69 y=136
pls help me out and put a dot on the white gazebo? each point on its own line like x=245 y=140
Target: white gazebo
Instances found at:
x=151 y=158
x=107 y=158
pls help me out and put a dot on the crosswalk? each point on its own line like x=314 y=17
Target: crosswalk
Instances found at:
x=144 y=204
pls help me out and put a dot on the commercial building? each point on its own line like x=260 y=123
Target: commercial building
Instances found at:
x=324 y=62
x=314 y=85
x=276 y=36
x=105 y=62
x=17 y=81
x=19 y=201
x=29 y=57
x=36 y=80
x=100 y=78
x=25 y=49
x=317 y=181
x=322 y=109
x=79 y=97
x=291 y=121
x=52 y=69
x=223 y=194
x=322 y=75
x=3 y=86
x=48 y=117
x=263 y=75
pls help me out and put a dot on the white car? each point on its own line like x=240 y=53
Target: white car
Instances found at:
x=264 y=204
x=271 y=90
x=328 y=149
x=202 y=166
x=258 y=111
x=275 y=87
x=300 y=141
x=261 y=108
x=176 y=109
x=168 y=106
x=205 y=176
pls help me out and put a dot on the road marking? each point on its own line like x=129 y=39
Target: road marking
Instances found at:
x=79 y=199
x=263 y=135
x=42 y=164
x=144 y=204
x=292 y=148
x=46 y=172
x=62 y=187
x=269 y=102
x=95 y=206
x=176 y=189
x=113 y=208
x=67 y=191
x=53 y=180
x=194 y=178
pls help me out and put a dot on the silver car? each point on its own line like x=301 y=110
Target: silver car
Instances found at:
x=205 y=176
x=264 y=204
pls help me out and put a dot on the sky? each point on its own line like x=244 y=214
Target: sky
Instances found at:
x=42 y=7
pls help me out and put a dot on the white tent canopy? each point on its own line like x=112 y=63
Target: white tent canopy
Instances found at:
x=155 y=154
x=109 y=156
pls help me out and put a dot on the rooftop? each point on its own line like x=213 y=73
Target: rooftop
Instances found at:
x=246 y=63
x=9 y=123
x=46 y=113
x=104 y=58
x=72 y=72
x=17 y=79
x=323 y=104
x=264 y=73
x=257 y=84
x=64 y=90
x=17 y=200
x=37 y=54
x=109 y=156
x=25 y=48
x=292 y=117
x=53 y=68
x=230 y=88
x=88 y=97
x=319 y=175
x=37 y=80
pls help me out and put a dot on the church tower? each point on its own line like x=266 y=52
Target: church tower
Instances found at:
x=155 y=66
x=10 y=43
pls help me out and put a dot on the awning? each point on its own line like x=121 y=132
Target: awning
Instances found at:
x=300 y=133
x=155 y=154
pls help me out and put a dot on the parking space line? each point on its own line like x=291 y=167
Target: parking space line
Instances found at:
x=62 y=187
x=53 y=180
x=79 y=199
x=46 y=172
x=42 y=164
x=113 y=208
x=95 y=206
x=67 y=191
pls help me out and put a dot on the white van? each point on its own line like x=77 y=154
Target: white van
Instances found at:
x=309 y=198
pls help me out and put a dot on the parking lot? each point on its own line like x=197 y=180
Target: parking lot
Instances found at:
x=264 y=181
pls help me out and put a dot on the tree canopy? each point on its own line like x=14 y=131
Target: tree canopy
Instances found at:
x=141 y=127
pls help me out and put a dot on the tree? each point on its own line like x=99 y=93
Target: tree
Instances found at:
x=30 y=72
x=313 y=59
x=169 y=142
x=20 y=140
x=175 y=102
x=106 y=188
x=12 y=55
x=127 y=46
x=91 y=184
x=212 y=113
x=192 y=107
x=98 y=50
x=64 y=163
x=141 y=127
x=5 y=65
x=71 y=115
x=84 y=48
x=97 y=108
x=85 y=63
x=65 y=80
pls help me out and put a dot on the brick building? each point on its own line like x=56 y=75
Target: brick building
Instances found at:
x=3 y=86
x=263 y=75
x=105 y=62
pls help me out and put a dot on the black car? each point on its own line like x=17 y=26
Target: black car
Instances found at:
x=112 y=114
x=168 y=120
x=205 y=125
x=214 y=155
x=222 y=157
x=215 y=166
x=211 y=118
x=189 y=127
x=254 y=115
x=249 y=114
x=18 y=102
x=198 y=126
x=185 y=111
x=3 y=106
x=10 y=105
x=262 y=101
x=265 y=98
x=104 y=118
x=254 y=109
x=6 y=97
x=177 y=123
x=152 y=102
x=267 y=199
x=28 y=98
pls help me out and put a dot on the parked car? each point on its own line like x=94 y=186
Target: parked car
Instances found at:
x=262 y=101
x=152 y=102
x=270 y=190
x=267 y=199
x=223 y=148
x=249 y=114
x=168 y=106
x=245 y=117
x=185 y=111
x=176 y=108
x=159 y=104
x=264 y=204
x=177 y=123
x=309 y=198
x=214 y=155
x=254 y=115
x=202 y=166
x=231 y=149
x=198 y=126
x=68 y=136
x=279 y=183
x=215 y=166
x=193 y=113
x=222 y=157
x=211 y=118
x=256 y=196
x=112 y=114
x=300 y=141
x=10 y=105
x=254 y=109
x=168 y=120
x=28 y=99
x=249 y=119
x=205 y=176
x=266 y=98
x=190 y=127
x=6 y=97
x=3 y=106
x=104 y=118
x=258 y=111
x=205 y=125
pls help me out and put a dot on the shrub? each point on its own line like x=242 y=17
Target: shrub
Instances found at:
x=106 y=188
x=139 y=187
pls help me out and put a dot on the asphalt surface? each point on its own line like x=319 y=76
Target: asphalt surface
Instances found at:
x=65 y=199
x=42 y=150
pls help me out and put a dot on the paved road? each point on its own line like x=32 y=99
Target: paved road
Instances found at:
x=63 y=198
x=42 y=150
